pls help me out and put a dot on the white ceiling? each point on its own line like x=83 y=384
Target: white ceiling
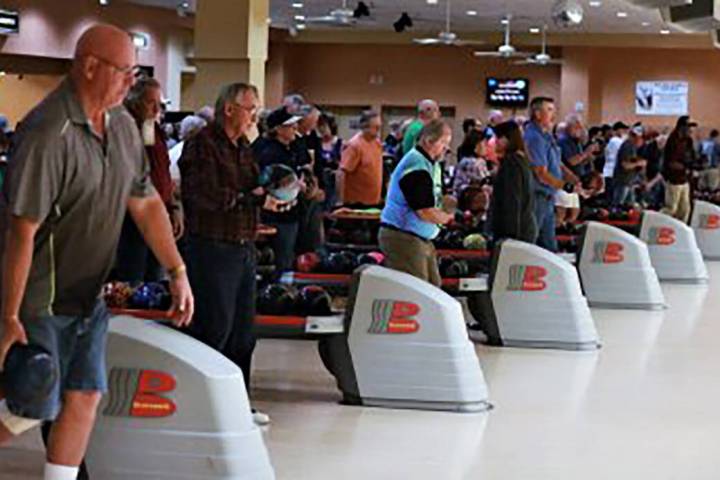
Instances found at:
x=428 y=17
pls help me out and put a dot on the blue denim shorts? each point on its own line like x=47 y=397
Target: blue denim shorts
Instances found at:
x=78 y=346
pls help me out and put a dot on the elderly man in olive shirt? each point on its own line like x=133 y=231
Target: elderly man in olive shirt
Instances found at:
x=76 y=167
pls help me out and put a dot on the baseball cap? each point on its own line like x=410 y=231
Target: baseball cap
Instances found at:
x=620 y=126
x=281 y=117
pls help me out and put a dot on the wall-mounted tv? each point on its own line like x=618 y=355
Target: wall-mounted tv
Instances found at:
x=507 y=92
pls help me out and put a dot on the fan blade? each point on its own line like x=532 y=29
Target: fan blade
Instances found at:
x=487 y=54
x=427 y=41
x=469 y=43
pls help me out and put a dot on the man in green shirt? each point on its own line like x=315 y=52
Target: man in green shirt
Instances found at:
x=428 y=110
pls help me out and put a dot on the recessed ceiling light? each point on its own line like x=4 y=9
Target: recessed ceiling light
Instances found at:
x=300 y=26
x=664 y=31
x=432 y=2
x=621 y=14
x=104 y=2
x=504 y=21
x=595 y=3
x=300 y=17
x=645 y=24
x=297 y=5
x=534 y=30
x=472 y=13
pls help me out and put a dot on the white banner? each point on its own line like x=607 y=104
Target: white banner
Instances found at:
x=661 y=98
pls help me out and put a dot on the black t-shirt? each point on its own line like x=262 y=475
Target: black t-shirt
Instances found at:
x=627 y=153
x=417 y=188
x=652 y=153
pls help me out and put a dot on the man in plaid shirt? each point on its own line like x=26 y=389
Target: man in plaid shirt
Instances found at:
x=222 y=197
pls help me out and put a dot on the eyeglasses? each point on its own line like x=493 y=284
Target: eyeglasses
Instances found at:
x=130 y=71
x=251 y=109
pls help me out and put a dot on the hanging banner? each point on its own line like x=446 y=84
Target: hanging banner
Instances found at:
x=661 y=98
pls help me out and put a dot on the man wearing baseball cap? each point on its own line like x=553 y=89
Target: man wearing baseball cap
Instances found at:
x=276 y=149
x=679 y=156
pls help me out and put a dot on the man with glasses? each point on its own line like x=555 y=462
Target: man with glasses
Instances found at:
x=221 y=195
x=76 y=167
x=414 y=209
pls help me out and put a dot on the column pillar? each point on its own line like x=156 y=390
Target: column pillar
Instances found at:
x=231 y=45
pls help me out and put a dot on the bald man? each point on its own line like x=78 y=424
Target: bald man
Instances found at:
x=427 y=111
x=77 y=166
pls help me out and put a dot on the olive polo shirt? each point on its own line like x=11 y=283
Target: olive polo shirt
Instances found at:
x=76 y=185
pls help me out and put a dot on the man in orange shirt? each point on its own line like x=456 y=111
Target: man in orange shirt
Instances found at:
x=361 y=167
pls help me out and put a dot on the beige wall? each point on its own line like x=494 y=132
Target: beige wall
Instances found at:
x=341 y=75
x=20 y=95
x=608 y=76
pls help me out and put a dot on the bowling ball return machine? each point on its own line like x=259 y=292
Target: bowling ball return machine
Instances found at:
x=673 y=249
x=705 y=222
x=401 y=343
x=176 y=409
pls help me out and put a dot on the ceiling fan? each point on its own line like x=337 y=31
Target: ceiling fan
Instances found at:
x=542 y=58
x=339 y=17
x=446 y=37
x=506 y=50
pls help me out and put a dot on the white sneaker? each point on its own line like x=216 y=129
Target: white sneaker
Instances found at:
x=261 y=419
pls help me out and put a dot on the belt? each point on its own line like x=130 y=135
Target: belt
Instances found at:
x=396 y=229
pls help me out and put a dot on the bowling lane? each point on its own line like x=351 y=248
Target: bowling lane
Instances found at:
x=643 y=406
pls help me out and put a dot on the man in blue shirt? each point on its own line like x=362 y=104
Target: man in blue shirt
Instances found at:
x=550 y=174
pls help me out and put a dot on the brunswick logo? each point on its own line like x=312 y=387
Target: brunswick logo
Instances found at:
x=709 y=222
x=608 y=252
x=389 y=316
x=662 y=236
x=135 y=393
x=527 y=278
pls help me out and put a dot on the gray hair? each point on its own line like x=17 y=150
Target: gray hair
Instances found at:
x=366 y=117
x=573 y=119
x=135 y=97
x=433 y=131
x=190 y=126
x=228 y=94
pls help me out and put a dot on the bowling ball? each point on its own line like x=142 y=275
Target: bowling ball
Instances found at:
x=367 y=259
x=475 y=241
x=454 y=239
x=379 y=257
x=603 y=214
x=340 y=263
x=277 y=299
x=147 y=296
x=453 y=268
x=634 y=215
x=117 y=294
x=314 y=301
x=308 y=262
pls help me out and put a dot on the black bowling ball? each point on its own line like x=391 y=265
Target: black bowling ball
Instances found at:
x=314 y=301
x=277 y=299
x=343 y=262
